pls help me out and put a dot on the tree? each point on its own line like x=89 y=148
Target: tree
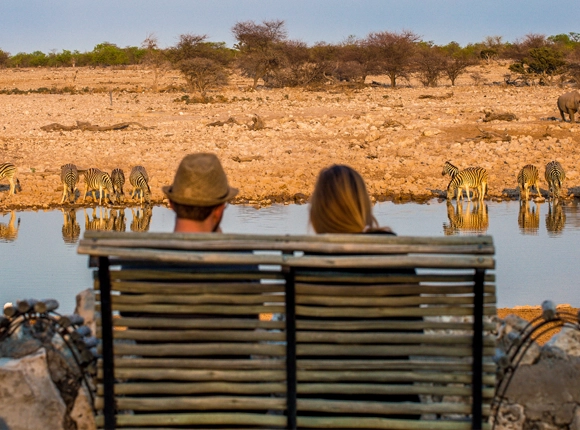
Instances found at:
x=203 y=64
x=258 y=46
x=393 y=53
x=108 y=54
x=154 y=57
x=544 y=62
x=4 y=56
x=429 y=63
x=457 y=60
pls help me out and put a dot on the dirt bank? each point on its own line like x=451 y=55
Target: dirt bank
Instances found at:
x=397 y=138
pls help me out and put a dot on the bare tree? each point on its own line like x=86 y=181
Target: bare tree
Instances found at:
x=154 y=57
x=429 y=64
x=202 y=74
x=259 y=47
x=393 y=52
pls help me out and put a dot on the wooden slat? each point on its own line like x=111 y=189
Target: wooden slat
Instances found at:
x=384 y=423
x=348 y=312
x=398 y=389
x=191 y=323
x=180 y=388
x=388 y=350
x=200 y=335
x=158 y=275
x=198 y=309
x=387 y=278
x=201 y=349
x=386 y=290
x=169 y=288
x=387 y=301
x=226 y=299
x=366 y=261
x=192 y=363
x=362 y=325
x=198 y=419
x=153 y=374
x=388 y=338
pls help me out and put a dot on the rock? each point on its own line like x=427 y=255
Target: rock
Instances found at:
x=29 y=398
x=85 y=307
x=431 y=132
x=568 y=340
x=82 y=413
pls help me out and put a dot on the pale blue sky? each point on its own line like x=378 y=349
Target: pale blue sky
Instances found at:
x=28 y=25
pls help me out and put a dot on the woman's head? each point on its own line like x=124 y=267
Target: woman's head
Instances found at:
x=340 y=202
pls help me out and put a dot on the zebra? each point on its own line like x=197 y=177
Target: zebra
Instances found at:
x=69 y=175
x=118 y=178
x=528 y=177
x=141 y=220
x=472 y=177
x=139 y=180
x=8 y=171
x=71 y=229
x=554 y=175
x=555 y=218
x=529 y=220
x=95 y=179
x=9 y=232
x=449 y=169
x=475 y=221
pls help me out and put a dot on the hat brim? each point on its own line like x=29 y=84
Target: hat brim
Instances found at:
x=168 y=191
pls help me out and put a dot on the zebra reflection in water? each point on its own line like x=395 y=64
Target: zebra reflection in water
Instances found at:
x=473 y=220
x=556 y=218
x=71 y=229
x=107 y=220
x=529 y=219
x=9 y=231
x=141 y=219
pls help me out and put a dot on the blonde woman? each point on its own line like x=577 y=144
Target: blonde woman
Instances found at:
x=341 y=204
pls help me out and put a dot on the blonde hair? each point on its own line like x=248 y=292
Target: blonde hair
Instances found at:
x=340 y=202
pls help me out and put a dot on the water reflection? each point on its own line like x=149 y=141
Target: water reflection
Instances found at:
x=107 y=219
x=9 y=231
x=71 y=229
x=473 y=219
x=529 y=218
x=556 y=218
x=141 y=219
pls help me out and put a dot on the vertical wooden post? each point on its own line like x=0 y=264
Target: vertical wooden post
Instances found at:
x=477 y=367
x=291 y=349
x=107 y=339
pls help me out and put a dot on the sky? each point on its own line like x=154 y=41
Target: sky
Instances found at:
x=30 y=25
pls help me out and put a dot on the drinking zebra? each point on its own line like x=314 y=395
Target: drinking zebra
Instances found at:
x=528 y=178
x=95 y=180
x=140 y=182
x=449 y=169
x=472 y=177
x=9 y=232
x=118 y=179
x=555 y=176
x=69 y=176
x=8 y=171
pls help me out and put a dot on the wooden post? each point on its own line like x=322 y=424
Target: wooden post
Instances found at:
x=107 y=339
x=291 y=348
x=477 y=384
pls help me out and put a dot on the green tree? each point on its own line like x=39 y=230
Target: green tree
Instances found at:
x=457 y=60
x=108 y=54
x=4 y=57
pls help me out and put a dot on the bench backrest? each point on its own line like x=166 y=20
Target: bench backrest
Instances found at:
x=326 y=331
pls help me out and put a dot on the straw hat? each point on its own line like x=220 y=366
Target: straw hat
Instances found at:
x=200 y=180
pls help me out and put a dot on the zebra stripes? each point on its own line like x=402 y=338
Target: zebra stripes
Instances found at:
x=140 y=182
x=69 y=177
x=528 y=177
x=554 y=176
x=472 y=220
x=98 y=180
x=118 y=179
x=8 y=171
x=472 y=177
x=449 y=169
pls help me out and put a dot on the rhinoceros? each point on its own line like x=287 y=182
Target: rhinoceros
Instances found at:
x=569 y=103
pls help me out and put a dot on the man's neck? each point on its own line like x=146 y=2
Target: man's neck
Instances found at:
x=190 y=226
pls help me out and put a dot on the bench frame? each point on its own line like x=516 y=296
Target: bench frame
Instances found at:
x=98 y=246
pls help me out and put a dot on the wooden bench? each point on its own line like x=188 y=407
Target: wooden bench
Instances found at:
x=326 y=331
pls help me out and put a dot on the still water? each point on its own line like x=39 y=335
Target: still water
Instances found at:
x=536 y=244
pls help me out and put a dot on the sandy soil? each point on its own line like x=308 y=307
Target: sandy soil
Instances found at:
x=396 y=138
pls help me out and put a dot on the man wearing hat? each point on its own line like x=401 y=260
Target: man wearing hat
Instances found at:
x=199 y=194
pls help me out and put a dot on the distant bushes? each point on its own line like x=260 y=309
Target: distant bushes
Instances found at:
x=264 y=53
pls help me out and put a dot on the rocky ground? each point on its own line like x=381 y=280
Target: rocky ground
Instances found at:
x=397 y=138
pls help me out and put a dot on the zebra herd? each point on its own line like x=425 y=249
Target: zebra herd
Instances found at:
x=476 y=178
x=108 y=186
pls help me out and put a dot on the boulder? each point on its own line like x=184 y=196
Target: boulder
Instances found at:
x=28 y=397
